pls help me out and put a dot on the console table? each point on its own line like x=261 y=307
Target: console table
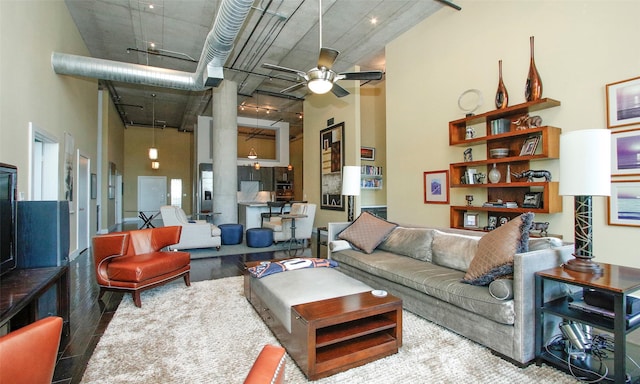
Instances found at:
x=20 y=290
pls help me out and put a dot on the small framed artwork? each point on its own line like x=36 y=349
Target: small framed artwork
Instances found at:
x=625 y=156
x=530 y=145
x=471 y=219
x=436 y=187
x=622 y=103
x=532 y=200
x=624 y=203
x=367 y=153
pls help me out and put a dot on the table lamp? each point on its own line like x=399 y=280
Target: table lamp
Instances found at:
x=350 y=186
x=585 y=171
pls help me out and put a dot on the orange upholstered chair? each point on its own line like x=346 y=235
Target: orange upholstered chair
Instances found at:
x=268 y=367
x=133 y=261
x=28 y=355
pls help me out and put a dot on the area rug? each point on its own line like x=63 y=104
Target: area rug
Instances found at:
x=209 y=333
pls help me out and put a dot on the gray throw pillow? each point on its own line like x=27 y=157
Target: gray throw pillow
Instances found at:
x=412 y=242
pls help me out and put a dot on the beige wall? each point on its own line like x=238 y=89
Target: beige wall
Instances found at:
x=113 y=152
x=580 y=46
x=175 y=154
x=32 y=92
x=373 y=134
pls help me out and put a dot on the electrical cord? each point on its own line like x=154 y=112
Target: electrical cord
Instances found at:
x=558 y=341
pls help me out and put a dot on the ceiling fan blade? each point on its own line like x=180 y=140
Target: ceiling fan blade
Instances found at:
x=327 y=57
x=364 y=75
x=339 y=91
x=294 y=87
x=283 y=69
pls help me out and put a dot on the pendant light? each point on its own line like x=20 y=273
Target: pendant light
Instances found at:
x=153 y=151
x=155 y=165
x=252 y=154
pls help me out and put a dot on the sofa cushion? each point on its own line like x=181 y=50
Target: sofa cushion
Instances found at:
x=367 y=232
x=538 y=243
x=436 y=281
x=412 y=242
x=454 y=250
x=501 y=289
x=494 y=257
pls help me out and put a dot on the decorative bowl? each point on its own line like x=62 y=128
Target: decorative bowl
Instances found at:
x=497 y=153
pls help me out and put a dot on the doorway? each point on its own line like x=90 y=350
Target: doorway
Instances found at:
x=152 y=194
x=82 y=223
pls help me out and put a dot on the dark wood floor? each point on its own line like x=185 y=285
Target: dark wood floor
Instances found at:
x=90 y=317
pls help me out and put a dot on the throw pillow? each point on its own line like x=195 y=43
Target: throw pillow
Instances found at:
x=501 y=289
x=494 y=257
x=412 y=242
x=453 y=250
x=339 y=245
x=367 y=232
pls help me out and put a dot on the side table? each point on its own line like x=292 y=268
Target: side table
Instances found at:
x=320 y=231
x=616 y=281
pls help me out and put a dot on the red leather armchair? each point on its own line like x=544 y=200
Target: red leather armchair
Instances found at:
x=133 y=261
x=28 y=355
x=268 y=367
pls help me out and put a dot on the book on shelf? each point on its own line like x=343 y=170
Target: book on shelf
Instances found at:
x=500 y=204
x=371 y=170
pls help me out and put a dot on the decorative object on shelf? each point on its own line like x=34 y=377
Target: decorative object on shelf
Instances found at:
x=471 y=219
x=530 y=174
x=468 y=156
x=470 y=133
x=498 y=153
x=526 y=122
x=584 y=177
x=499 y=126
x=530 y=145
x=471 y=175
x=469 y=101
x=494 y=174
x=533 y=87
x=508 y=176
x=624 y=205
x=625 y=157
x=436 y=187
x=478 y=178
x=502 y=96
x=493 y=223
x=503 y=220
x=367 y=153
x=532 y=200
x=540 y=226
x=622 y=103
x=350 y=186
x=469 y=199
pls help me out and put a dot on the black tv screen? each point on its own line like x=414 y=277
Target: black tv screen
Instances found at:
x=8 y=186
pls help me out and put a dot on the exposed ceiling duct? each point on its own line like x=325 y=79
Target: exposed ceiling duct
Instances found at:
x=209 y=73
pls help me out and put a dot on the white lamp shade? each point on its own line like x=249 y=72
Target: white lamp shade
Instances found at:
x=351 y=180
x=585 y=163
x=153 y=153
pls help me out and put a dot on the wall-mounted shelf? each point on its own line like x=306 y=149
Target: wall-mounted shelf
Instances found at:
x=371 y=177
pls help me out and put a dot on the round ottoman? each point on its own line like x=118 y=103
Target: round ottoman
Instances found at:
x=230 y=233
x=259 y=237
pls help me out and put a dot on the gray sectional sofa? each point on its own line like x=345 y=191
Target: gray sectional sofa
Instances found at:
x=425 y=266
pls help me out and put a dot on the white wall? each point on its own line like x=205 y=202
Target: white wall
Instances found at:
x=580 y=46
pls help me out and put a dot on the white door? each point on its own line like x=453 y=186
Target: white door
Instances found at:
x=83 y=203
x=152 y=194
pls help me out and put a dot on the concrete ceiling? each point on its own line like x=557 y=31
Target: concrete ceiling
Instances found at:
x=281 y=32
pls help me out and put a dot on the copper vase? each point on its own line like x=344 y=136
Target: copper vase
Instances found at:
x=533 y=88
x=502 y=96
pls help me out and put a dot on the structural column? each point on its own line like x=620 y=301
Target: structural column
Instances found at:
x=225 y=152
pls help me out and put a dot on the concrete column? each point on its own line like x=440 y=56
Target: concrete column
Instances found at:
x=225 y=152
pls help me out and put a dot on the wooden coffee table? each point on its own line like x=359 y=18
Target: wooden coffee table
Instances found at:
x=333 y=335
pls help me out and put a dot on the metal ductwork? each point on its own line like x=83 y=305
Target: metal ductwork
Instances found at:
x=218 y=45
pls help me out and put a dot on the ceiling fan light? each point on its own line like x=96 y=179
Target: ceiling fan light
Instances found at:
x=319 y=86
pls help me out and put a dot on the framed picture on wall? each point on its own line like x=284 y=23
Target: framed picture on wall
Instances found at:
x=624 y=203
x=331 y=163
x=622 y=103
x=367 y=153
x=625 y=157
x=436 y=187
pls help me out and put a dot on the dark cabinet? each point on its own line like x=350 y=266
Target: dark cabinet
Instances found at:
x=264 y=175
x=43 y=234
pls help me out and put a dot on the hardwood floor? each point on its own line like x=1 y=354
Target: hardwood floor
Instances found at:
x=90 y=317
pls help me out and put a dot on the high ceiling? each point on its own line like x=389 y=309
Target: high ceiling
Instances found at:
x=171 y=34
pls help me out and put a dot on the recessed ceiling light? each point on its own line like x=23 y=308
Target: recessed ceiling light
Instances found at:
x=373 y=20
x=151 y=6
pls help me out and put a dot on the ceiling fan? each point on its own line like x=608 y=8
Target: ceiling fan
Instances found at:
x=322 y=79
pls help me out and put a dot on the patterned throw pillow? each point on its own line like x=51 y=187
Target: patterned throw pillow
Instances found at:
x=367 y=232
x=494 y=257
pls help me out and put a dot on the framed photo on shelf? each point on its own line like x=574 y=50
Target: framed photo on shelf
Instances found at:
x=436 y=187
x=367 y=153
x=624 y=204
x=625 y=158
x=532 y=200
x=622 y=107
x=471 y=219
x=493 y=222
x=530 y=145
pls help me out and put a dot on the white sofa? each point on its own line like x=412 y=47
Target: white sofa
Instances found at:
x=195 y=233
x=304 y=225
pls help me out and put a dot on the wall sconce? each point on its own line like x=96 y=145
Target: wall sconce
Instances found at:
x=155 y=165
x=289 y=167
